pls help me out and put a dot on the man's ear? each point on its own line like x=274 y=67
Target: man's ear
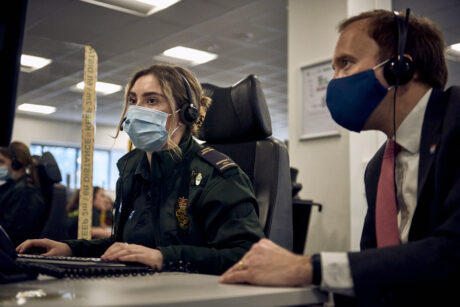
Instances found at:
x=409 y=57
x=416 y=75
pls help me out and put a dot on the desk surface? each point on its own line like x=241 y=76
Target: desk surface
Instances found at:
x=165 y=289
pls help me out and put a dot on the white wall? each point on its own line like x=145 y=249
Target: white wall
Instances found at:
x=323 y=163
x=29 y=129
x=331 y=170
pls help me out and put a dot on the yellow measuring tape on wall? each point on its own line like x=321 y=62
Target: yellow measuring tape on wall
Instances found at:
x=88 y=120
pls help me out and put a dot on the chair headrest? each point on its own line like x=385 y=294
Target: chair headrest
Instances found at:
x=238 y=113
x=48 y=169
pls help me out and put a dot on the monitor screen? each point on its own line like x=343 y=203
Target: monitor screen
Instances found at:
x=12 y=22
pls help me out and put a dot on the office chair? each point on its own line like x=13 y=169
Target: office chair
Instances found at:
x=54 y=195
x=238 y=124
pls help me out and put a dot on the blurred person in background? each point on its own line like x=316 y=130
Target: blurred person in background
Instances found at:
x=100 y=228
x=22 y=208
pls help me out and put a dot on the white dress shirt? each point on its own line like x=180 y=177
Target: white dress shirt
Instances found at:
x=336 y=274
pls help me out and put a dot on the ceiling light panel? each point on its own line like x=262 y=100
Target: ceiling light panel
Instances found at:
x=194 y=56
x=141 y=8
x=455 y=47
x=30 y=63
x=453 y=52
x=102 y=87
x=36 y=108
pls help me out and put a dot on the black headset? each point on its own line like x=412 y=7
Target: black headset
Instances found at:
x=399 y=70
x=188 y=112
x=15 y=164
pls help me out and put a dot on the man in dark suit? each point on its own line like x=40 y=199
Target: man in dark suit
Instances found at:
x=389 y=72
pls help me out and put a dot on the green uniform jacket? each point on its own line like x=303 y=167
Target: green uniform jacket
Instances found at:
x=22 y=210
x=205 y=218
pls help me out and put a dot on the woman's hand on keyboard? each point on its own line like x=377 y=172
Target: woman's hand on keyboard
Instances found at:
x=134 y=253
x=53 y=248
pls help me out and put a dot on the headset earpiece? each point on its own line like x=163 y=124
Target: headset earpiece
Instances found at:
x=188 y=113
x=399 y=70
x=15 y=164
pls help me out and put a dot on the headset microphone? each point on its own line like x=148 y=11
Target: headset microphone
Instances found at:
x=15 y=164
x=121 y=125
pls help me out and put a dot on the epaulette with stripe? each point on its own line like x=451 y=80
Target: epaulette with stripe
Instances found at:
x=217 y=159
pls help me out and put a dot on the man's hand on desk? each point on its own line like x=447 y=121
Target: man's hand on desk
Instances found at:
x=269 y=264
x=134 y=253
x=53 y=248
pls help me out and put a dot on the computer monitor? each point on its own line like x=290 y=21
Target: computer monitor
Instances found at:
x=12 y=21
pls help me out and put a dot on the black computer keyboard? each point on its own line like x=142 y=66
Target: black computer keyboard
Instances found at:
x=42 y=268
x=64 y=260
x=80 y=267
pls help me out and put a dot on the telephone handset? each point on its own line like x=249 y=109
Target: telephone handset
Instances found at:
x=10 y=271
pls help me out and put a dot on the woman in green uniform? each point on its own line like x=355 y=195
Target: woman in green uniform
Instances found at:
x=179 y=205
x=22 y=208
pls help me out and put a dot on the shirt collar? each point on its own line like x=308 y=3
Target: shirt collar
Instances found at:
x=410 y=131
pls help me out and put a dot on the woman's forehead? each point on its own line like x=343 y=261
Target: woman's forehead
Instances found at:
x=147 y=83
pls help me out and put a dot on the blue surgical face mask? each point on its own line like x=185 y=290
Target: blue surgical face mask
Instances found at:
x=146 y=128
x=351 y=100
x=4 y=176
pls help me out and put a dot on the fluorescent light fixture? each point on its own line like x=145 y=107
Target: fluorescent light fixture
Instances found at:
x=30 y=63
x=141 y=8
x=455 y=47
x=102 y=87
x=194 y=56
x=36 y=108
x=158 y=5
x=453 y=52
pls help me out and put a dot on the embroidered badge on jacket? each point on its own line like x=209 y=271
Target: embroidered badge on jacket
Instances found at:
x=198 y=179
x=181 y=212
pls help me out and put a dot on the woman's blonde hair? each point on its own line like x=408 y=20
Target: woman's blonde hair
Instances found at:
x=171 y=81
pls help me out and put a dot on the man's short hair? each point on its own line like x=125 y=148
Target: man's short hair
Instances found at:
x=425 y=43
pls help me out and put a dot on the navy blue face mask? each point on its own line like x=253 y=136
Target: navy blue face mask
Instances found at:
x=351 y=100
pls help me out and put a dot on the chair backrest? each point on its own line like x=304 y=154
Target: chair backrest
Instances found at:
x=48 y=173
x=55 y=225
x=54 y=195
x=238 y=124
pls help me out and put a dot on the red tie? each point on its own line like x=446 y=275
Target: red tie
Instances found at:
x=386 y=221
